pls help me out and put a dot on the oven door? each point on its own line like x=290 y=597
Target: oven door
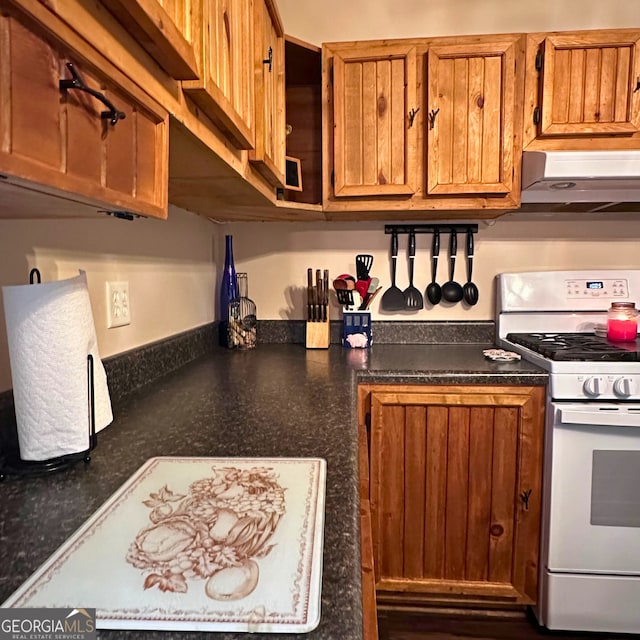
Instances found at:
x=594 y=509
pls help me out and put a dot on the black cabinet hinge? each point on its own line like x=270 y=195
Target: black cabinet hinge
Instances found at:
x=536 y=115
x=331 y=74
x=367 y=422
x=333 y=178
x=539 y=61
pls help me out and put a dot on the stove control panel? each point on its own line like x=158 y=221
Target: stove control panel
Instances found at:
x=597 y=288
x=595 y=387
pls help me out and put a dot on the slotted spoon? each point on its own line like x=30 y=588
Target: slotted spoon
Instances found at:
x=412 y=296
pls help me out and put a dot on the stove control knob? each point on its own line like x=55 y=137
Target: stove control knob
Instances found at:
x=622 y=387
x=591 y=387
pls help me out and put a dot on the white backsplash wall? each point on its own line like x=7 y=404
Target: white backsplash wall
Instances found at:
x=276 y=257
x=170 y=267
x=337 y=20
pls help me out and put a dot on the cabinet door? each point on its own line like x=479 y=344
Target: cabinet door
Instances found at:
x=224 y=91
x=268 y=157
x=165 y=28
x=470 y=119
x=58 y=137
x=455 y=492
x=374 y=91
x=588 y=85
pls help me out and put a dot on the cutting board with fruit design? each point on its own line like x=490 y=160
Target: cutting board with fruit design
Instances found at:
x=207 y=544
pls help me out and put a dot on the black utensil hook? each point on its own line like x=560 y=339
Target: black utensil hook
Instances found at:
x=113 y=115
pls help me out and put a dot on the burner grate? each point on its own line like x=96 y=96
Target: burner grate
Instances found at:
x=586 y=347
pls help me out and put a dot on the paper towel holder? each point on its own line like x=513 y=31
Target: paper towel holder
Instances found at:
x=14 y=465
x=19 y=467
x=34 y=274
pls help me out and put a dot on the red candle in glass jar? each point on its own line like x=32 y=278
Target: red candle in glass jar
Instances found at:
x=622 y=322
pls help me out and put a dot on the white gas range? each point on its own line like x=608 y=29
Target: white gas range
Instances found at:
x=590 y=543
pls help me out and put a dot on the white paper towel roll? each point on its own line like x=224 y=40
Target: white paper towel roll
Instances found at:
x=51 y=332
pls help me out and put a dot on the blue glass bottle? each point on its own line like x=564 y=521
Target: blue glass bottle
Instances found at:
x=228 y=290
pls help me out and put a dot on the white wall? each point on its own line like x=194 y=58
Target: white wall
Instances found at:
x=337 y=20
x=276 y=257
x=170 y=266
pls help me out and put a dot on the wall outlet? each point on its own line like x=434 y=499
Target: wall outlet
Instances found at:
x=118 y=304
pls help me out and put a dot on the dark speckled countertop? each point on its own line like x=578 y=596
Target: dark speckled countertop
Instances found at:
x=277 y=400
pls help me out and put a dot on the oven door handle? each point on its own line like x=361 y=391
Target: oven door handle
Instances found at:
x=599 y=418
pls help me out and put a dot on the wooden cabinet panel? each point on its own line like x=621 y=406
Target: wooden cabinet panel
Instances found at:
x=268 y=157
x=374 y=90
x=471 y=103
x=30 y=97
x=369 y=610
x=166 y=29
x=587 y=84
x=423 y=128
x=57 y=138
x=449 y=467
x=224 y=90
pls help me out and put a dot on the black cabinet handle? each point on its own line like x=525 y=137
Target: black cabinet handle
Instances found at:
x=524 y=497
x=432 y=117
x=113 y=115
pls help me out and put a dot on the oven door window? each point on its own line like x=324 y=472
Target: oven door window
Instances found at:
x=615 y=489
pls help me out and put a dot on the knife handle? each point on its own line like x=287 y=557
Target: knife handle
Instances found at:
x=325 y=301
x=309 y=295
x=318 y=317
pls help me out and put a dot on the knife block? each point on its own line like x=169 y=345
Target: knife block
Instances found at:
x=318 y=334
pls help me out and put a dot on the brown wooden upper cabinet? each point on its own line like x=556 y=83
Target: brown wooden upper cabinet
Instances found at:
x=166 y=29
x=268 y=156
x=581 y=90
x=419 y=125
x=455 y=482
x=374 y=137
x=224 y=90
x=96 y=138
x=589 y=84
x=470 y=118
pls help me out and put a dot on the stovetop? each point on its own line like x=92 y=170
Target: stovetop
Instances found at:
x=583 y=347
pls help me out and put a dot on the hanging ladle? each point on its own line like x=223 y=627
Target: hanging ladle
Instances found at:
x=452 y=291
x=470 y=290
x=434 y=292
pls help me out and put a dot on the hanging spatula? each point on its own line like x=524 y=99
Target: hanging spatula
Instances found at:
x=412 y=296
x=393 y=298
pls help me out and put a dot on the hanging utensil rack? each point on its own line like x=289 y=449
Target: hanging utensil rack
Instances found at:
x=13 y=464
x=429 y=228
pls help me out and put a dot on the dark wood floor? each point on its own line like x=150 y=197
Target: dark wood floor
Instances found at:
x=410 y=626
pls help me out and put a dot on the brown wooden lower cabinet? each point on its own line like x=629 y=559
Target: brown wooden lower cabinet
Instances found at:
x=369 y=609
x=454 y=489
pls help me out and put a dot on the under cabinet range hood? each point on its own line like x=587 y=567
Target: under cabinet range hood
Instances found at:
x=581 y=176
